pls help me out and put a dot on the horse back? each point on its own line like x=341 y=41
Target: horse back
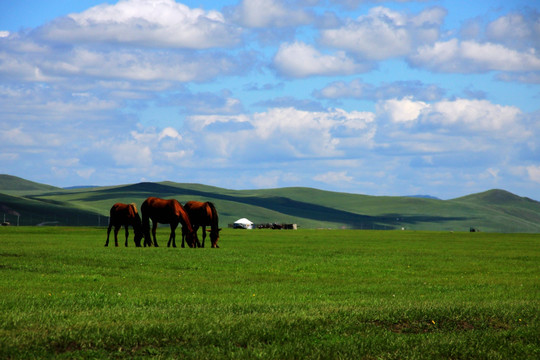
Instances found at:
x=123 y=213
x=164 y=211
x=201 y=213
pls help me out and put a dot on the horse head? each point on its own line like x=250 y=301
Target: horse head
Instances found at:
x=138 y=237
x=192 y=239
x=214 y=237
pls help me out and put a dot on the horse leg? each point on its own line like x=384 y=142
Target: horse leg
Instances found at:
x=183 y=235
x=108 y=233
x=116 y=229
x=196 y=242
x=127 y=234
x=173 y=234
x=170 y=236
x=203 y=235
x=148 y=235
x=154 y=227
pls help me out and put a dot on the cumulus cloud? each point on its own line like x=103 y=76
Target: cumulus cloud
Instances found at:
x=289 y=133
x=457 y=116
x=206 y=102
x=516 y=30
x=357 y=89
x=477 y=115
x=334 y=177
x=384 y=33
x=456 y=56
x=163 y=23
x=355 y=3
x=122 y=64
x=402 y=111
x=302 y=60
x=534 y=173
x=17 y=137
x=266 y=13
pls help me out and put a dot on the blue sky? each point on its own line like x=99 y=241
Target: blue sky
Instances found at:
x=372 y=97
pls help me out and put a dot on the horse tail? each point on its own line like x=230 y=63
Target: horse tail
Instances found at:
x=215 y=219
x=214 y=230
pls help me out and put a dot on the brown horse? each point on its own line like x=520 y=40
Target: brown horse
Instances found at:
x=203 y=214
x=125 y=215
x=165 y=212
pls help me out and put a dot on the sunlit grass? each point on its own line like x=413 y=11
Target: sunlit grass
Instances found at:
x=270 y=294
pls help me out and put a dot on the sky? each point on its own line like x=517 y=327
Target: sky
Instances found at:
x=394 y=98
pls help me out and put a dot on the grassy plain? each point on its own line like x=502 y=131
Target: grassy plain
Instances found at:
x=268 y=294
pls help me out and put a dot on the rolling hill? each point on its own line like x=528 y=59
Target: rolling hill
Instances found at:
x=493 y=210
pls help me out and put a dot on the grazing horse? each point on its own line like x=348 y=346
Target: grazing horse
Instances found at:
x=125 y=215
x=203 y=214
x=165 y=212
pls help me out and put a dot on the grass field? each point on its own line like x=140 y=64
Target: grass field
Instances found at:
x=325 y=294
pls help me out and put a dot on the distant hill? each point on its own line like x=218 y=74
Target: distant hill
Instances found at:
x=28 y=211
x=490 y=211
x=13 y=183
x=423 y=196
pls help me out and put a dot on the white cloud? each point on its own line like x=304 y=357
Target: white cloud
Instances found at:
x=131 y=154
x=121 y=64
x=199 y=122
x=334 y=177
x=18 y=137
x=302 y=60
x=456 y=56
x=385 y=33
x=402 y=111
x=86 y=173
x=515 y=30
x=286 y=133
x=477 y=115
x=170 y=133
x=459 y=115
x=534 y=173
x=357 y=89
x=265 y=181
x=163 y=23
x=266 y=13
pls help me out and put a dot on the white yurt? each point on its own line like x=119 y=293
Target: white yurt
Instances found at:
x=243 y=223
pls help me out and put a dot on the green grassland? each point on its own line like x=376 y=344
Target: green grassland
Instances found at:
x=314 y=294
x=490 y=211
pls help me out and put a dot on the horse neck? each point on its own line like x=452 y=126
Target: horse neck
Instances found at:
x=184 y=219
x=137 y=223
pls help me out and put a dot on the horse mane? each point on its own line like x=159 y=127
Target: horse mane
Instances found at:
x=134 y=207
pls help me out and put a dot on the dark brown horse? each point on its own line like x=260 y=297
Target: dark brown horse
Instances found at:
x=165 y=212
x=125 y=215
x=203 y=214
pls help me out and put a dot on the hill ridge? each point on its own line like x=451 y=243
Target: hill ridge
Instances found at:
x=493 y=210
x=15 y=183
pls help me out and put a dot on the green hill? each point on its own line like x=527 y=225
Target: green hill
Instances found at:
x=29 y=211
x=493 y=211
x=14 y=184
